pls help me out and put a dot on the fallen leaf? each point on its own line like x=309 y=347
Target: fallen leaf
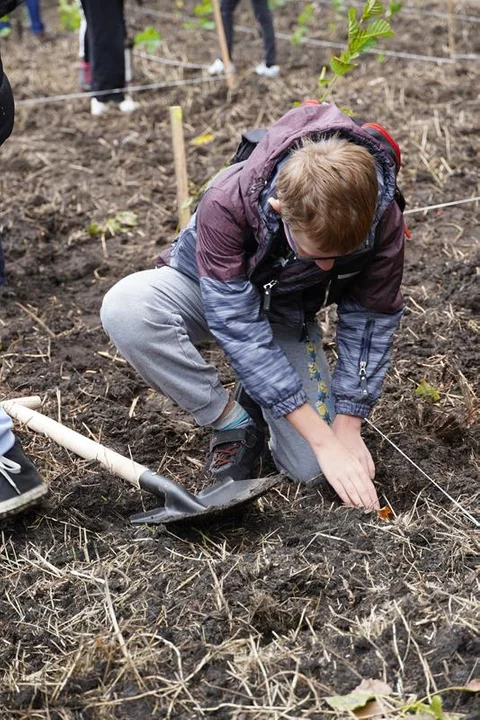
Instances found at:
x=385 y=513
x=473 y=685
x=376 y=687
x=202 y=139
x=350 y=702
x=373 y=709
x=359 y=697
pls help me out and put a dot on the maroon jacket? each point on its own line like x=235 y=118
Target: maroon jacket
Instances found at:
x=234 y=247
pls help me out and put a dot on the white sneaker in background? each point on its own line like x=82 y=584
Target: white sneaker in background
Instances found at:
x=217 y=68
x=97 y=107
x=272 y=71
x=128 y=105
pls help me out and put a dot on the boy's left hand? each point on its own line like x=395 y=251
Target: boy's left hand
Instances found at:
x=347 y=429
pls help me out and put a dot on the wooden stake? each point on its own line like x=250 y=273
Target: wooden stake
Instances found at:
x=180 y=166
x=451 y=27
x=223 y=45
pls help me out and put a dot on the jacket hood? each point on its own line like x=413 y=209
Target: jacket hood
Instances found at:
x=257 y=177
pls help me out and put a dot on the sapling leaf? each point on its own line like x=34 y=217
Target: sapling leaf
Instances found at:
x=339 y=66
x=353 y=26
x=149 y=38
x=424 y=389
x=436 y=707
x=126 y=218
x=94 y=229
x=372 y=7
x=69 y=15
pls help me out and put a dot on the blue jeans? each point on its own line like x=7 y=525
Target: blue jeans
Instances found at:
x=36 y=25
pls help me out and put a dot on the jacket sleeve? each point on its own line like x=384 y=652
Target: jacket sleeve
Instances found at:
x=367 y=319
x=233 y=309
x=7 y=107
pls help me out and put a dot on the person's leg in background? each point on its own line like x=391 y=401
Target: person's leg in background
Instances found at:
x=5 y=27
x=228 y=8
x=106 y=44
x=85 y=69
x=36 y=24
x=263 y=15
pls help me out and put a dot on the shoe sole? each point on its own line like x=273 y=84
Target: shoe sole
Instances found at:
x=23 y=501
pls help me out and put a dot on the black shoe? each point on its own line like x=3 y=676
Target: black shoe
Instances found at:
x=235 y=453
x=20 y=483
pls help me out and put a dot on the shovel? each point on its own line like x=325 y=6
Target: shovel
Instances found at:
x=177 y=503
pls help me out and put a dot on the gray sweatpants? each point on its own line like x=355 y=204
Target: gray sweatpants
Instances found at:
x=156 y=320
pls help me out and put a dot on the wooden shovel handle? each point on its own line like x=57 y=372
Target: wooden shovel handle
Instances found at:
x=79 y=444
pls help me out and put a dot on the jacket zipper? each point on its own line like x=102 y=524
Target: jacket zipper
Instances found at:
x=267 y=294
x=364 y=353
x=259 y=183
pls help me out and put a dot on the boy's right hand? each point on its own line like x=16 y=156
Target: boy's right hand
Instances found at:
x=346 y=475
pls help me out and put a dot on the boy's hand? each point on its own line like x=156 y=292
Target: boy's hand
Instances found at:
x=347 y=429
x=346 y=475
x=349 y=476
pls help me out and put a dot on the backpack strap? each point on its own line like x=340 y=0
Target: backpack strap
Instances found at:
x=385 y=139
x=248 y=143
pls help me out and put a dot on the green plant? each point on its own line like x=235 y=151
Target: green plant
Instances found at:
x=363 y=34
x=123 y=220
x=425 y=390
x=149 y=38
x=304 y=21
x=203 y=11
x=69 y=14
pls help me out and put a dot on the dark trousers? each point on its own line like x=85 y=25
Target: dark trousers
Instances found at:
x=263 y=17
x=7 y=111
x=106 y=45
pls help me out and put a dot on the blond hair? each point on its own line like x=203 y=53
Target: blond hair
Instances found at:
x=328 y=190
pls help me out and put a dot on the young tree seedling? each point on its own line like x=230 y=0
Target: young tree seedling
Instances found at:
x=363 y=34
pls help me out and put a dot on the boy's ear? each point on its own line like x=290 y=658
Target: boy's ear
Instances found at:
x=275 y=204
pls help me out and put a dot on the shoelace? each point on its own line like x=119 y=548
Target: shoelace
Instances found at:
x=10 y=467
x=224 y=454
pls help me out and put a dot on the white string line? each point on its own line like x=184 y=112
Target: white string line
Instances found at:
x=168 y=61
x=328 y=44
x=129 y=89
x=414 y=11
x=439 y=487
x=441 y=205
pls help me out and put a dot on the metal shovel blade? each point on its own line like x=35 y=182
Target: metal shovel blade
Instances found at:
x=215 y=499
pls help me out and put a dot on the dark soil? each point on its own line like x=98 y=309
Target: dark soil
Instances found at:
x=263 y=613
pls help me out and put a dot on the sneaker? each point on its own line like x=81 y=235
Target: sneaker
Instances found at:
x=235 y=453
x=269 y=71
x=98 y=108
x=20 y=483
x=128 y=105
x=217 y=68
